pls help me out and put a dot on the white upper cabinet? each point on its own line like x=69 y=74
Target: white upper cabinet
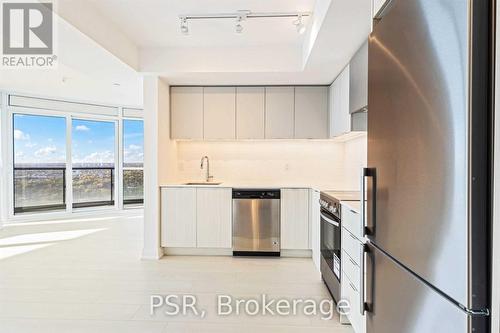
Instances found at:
x=178 y=217
x=219 y=112
x=358 y=82
x=295 y=219
x=214 y=207
x=186 y=109
x=311 y=112
x=250 y=110
x=280 y=106
x=213 y=113
x=340 y=118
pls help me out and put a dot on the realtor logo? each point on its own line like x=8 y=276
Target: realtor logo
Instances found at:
x=28 y=29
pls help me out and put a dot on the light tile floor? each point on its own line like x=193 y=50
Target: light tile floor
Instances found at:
x=86 y=276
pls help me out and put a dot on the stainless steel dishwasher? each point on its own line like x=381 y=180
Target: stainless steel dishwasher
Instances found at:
x=256 y=222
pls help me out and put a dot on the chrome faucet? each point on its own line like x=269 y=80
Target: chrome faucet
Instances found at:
x=208 y=177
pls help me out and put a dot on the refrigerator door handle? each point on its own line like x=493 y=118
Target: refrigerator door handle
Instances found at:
x=365 y=229
x=364 y=304
x=362 y=280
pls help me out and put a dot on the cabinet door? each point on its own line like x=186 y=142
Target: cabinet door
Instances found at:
x=219 y=112
x=214 y=227
x=186 y=109
x=350 y=293
x=178 y=217
x=340 y=117
x=351 y=220
x=311 y=112
x=280 y=106
x=250 y=112
x=295 y=219
x=315 y=222
x=358 y=79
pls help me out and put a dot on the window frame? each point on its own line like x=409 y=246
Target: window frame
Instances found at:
x=115 y=181
x=122 y=153
x=7 y=132
x=12 y=193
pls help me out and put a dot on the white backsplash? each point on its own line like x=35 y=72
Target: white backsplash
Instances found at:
x=325 y=164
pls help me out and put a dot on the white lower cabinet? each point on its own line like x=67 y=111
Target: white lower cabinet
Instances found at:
x=201 y=217
x=213 y=226
x=196 y=217
x=350 y=293
x=294 y=219
x=351 y=220
x=351 y=267
x=178 y=217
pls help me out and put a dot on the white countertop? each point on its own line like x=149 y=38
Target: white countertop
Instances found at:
x=354 y=205
x=266 y=185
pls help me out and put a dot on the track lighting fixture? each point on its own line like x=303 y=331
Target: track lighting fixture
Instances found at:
x=242 y=15
x=301 y=28
x=184 y=26
x=238 y=28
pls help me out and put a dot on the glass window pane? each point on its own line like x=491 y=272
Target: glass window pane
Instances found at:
x=133 y=161
x=39 y=162
x=133 y=186
x=93 y=158
x=133 y=143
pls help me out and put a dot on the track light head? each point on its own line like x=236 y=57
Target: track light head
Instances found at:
x=184 y=26
x=238 y=27
x=301 y=28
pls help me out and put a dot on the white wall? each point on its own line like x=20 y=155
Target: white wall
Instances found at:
x=355 y=158
x=167 y=149
x=308 y=163
x=156 y=166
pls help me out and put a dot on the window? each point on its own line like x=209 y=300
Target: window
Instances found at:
x=62 y=161
x=133 y=162
x=39 y=163
x=93 y=162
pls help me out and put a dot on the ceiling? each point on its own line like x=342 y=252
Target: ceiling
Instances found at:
x=157 y=23
x=102 y=42
x=269 y=51
x=84 y=72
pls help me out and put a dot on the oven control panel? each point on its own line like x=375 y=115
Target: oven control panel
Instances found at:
x=332 y=207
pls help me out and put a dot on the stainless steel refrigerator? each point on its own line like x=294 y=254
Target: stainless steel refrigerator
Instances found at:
x=426 y=266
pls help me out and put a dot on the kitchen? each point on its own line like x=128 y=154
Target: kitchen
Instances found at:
x=278 y=166
x=250 y=195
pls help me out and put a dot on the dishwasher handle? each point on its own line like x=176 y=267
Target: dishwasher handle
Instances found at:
x=256 y=194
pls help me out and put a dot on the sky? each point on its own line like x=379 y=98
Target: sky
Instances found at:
x=42 y=139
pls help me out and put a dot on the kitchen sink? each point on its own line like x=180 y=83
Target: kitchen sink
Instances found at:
x=202 y=183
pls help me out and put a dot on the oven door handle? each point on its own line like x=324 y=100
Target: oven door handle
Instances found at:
x=329 y=220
